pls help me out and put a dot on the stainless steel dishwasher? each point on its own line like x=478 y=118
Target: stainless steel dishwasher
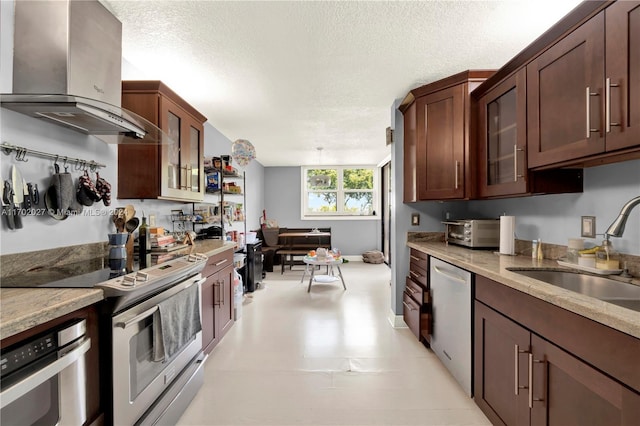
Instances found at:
x=451 y=308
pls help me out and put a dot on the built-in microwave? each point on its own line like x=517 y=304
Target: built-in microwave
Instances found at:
x=473 y=233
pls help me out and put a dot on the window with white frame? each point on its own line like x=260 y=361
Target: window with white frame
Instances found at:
x=335 y=191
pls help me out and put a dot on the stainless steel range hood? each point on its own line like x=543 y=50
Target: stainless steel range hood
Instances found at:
x=67 y=70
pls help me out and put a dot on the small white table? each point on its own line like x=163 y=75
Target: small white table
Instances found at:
x=329 y=262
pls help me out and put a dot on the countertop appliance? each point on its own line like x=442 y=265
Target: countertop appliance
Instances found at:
x=42 y=379
x=67 y=69
x=473 y=233
x=138 y=389
x=451 y=293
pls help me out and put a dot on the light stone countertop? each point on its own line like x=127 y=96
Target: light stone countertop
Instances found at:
x=24 y=308
x=493 y=266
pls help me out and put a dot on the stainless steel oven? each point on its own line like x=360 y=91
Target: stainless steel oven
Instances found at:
x=43 y=379
x=140 y=381
x=137 y=387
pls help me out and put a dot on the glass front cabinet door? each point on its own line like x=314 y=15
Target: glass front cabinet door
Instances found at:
x=503 y=138
x=182 y=164
x=173 y=170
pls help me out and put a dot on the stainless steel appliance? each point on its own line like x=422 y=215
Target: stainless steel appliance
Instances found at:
x=144 y=390
x=473 y=233
x=43 y=378
x=451 y=328
x=67 y=69
x=137 y=387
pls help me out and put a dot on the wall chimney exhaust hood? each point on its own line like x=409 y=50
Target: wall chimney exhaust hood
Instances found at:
x=67 y=64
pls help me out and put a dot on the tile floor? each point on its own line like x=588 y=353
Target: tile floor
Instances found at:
x=329 y=357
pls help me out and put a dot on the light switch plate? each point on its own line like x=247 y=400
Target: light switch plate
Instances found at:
x=588 y=228
x=415 y=219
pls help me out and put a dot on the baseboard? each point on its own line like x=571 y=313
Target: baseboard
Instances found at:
x=396 y=321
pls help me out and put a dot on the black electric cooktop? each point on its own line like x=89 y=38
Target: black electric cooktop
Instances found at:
x=85 y=274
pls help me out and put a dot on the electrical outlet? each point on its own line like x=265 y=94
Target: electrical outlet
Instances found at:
x=415 y=219
x=588 y=227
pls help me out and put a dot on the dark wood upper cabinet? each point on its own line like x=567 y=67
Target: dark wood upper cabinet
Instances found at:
x=169 y=171
x=502 y=138
x=409 y=155
x=622 y=75
x=438 y=153
x=564 y=97
x=584 y=92
x=501 y=132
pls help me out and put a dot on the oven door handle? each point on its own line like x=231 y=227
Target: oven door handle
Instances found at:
x=151 y=310
x=7 y=396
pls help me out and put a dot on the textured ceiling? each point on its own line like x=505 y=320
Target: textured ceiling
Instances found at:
x=294 y=76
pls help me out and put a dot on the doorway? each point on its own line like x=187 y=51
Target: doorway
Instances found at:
x=385 y=190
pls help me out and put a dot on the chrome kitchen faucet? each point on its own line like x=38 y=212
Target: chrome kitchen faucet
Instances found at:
x=616 y=229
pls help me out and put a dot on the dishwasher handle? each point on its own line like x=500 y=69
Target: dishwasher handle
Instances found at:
x=449 y=275
x=12 y=393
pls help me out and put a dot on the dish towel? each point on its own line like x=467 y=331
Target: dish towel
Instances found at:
x=175 y=322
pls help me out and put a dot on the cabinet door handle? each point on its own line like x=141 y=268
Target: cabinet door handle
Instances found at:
x=516 y=356
x=221 y=262
x=457 y=165
x=531 y=362
x=222 y=293
x=515 y=163
x=413 y=274
x=589 y=130
x=417 y=259
x=607 y=105
x=409 y=307
x=217 y=285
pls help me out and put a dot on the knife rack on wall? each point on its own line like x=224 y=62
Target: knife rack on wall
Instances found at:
x=21 y=153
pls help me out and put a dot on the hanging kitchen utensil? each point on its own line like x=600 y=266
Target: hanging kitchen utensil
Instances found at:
x=34 y=193
x=27 y=198
x=51 y=204
x=60 y=194
x=17 y=186
x=18 y=195
x=103 y=188
x=86 y=192
x=7 y=208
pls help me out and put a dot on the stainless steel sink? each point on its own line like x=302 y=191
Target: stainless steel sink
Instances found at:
x=612 y=291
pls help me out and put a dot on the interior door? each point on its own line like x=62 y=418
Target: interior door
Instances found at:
x=385 y=189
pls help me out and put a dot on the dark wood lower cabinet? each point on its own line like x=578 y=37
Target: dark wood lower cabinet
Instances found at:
x=416 y=300
x=521 y=378
x=217 y=299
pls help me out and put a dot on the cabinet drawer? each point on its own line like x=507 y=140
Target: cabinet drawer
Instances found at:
x=416 y=318
x=417 y=292
x=418 y=274
x=218 y=261
x=418 y=257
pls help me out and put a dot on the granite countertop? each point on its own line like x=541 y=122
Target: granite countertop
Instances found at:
x=494 y=266
x=24 y=308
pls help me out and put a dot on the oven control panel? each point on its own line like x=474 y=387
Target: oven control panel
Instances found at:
x=25 y=353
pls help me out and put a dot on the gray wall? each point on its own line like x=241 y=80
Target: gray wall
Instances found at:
x=282 y=200
x=553 y=218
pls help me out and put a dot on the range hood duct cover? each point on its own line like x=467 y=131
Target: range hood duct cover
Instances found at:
x=67 y=66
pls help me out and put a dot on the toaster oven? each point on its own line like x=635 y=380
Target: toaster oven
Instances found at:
x=473 y=233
